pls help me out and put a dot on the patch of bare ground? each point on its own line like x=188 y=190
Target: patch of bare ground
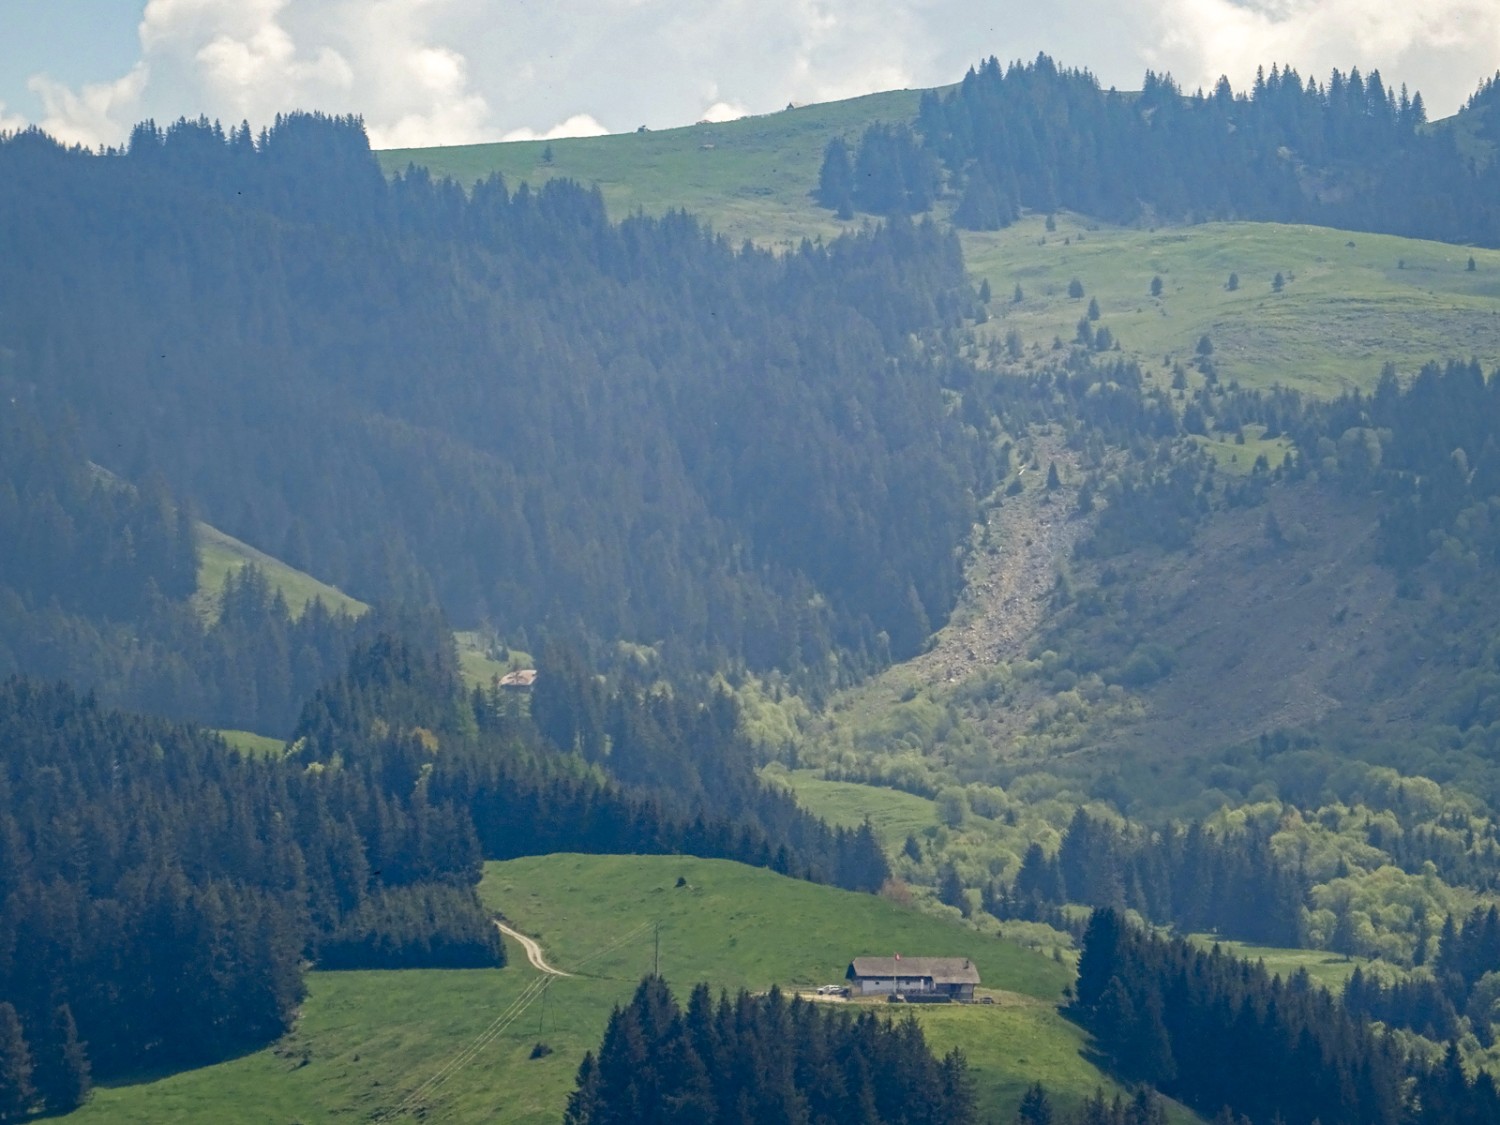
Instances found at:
x=1011 y=573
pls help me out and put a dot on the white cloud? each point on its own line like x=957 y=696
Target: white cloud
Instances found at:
x=99 y=113
x=253 y=59
x=10 y=122
x=579 y=125
x=459 y=71
x=1443 y=47
x=724 y=111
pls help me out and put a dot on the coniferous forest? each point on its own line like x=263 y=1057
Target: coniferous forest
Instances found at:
x=500 y=401
x=1347 y=152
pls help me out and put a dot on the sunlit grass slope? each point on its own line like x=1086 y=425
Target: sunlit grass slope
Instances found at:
x=1349 y=302
x=219 y=554
x=749 y=178
x=365 y=1041
x=893 y=814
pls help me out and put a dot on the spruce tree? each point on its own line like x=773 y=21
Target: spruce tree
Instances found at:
x=836 y=177
x=16 y=1090
x=62 y=1072
x=1036 y=1107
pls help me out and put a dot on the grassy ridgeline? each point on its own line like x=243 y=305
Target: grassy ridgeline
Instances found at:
x=750 y=178
x=366 y=1039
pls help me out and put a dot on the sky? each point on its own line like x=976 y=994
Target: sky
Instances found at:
x=439 y=72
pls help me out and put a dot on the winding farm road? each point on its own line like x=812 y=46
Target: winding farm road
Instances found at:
x=533 y=951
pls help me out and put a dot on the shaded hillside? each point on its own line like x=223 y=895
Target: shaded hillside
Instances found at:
x=501 y=401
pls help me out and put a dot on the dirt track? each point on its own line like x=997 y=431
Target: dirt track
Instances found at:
x=533 y=951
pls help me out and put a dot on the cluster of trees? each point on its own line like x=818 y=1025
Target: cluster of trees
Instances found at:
x=890 y=173
x=79 y=539
x=520 y=794
x=1142 y=1108
x=1189 y=877
x=1418 y=1003
x=1217 y=1033
x=498 y=400
x=1350 y=152
x=165 y=891
x=688 y=773
x=763 y=1058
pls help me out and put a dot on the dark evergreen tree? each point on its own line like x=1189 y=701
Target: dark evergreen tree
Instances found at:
x=16 y=1090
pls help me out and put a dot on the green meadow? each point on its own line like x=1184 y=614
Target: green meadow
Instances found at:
x=1330 y=970
x=893 y=814
x=456 y=1046
x=1349 y=302
x=749 y=178
x=220 y=554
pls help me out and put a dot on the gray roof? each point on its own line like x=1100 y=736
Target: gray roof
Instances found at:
x=942 y=970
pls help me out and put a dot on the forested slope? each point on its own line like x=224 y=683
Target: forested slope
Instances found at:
x=500 y=400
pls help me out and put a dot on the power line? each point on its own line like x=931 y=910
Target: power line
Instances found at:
x=498 y=1026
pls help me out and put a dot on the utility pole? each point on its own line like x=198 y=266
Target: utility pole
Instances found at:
x=656 y=957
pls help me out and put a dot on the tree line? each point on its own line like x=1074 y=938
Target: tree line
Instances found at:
x=1220 y=1034
x=1350 y=152
x=763 y=1058
x=97 y=585
x=1186 y=877
x=160 y=893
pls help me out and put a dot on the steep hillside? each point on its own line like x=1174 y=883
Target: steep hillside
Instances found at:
x=488 y=401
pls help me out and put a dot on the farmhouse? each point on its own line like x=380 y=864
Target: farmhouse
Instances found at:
x=524 y=680
x=951 y=978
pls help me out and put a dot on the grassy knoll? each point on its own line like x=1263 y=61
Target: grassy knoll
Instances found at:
x=1350 y=301
x=366 y=1040
x=219 y=554
x=749 y=178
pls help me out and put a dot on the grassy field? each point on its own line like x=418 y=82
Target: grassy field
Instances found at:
x=894 y=814
x=365 y=1041
x=749 y=178
x=1350 y=302
x=252 y=744
x=1330 y=970
x=219 y=554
